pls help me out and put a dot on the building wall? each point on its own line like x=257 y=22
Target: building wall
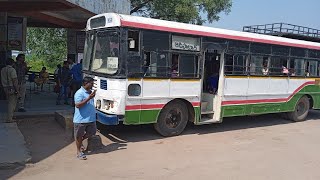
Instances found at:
x=103 y=6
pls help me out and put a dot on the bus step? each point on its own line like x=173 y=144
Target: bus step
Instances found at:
x=207 y=120
x=207 y=112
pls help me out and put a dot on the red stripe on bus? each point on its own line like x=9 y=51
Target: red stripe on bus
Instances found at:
x=195 y=104
x=144 y=106
x=211 y=34
x=152 y=106
x=267 y=100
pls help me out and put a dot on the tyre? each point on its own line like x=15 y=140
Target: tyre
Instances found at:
x=172 y=119
x=301 y=110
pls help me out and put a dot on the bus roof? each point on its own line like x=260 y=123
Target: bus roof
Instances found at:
x=117 y=20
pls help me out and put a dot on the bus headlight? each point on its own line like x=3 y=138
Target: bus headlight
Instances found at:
x=108 y=104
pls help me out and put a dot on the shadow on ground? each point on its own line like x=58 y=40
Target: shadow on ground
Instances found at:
x=45 y=137
x=122 y=133
x=7 y=173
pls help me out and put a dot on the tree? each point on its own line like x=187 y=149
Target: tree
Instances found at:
x=46 y=45
x=187 y=11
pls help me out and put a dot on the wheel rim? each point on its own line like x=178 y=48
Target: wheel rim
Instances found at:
x=301 y=108
x=173 y=118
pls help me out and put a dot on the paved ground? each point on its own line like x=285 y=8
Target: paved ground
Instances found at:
x=41 y=103
x=264 y=147
x=12 y=144
x=37 y=103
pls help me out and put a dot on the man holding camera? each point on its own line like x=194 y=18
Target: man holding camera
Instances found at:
x=9 y=82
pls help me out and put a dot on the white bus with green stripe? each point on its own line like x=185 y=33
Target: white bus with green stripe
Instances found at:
x=151 y=71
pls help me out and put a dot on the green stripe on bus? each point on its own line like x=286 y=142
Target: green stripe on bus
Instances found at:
x=141 y=117
x=264 y=108
x=197 y=113
x=149 y=116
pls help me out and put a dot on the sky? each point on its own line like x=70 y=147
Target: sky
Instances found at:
x=254 y=12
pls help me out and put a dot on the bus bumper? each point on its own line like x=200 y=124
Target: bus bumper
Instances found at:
x=107 y=119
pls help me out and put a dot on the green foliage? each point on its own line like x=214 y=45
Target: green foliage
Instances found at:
x=187 y=11
x=37 y=63
x=46 y=47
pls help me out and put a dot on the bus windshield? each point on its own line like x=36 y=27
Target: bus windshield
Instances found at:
x=106 y=52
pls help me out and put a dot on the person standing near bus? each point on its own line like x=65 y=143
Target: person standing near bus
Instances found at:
x=9 y=82
x=72 y=63
x=64 y=82
x=84 y=118
x=76 y=78
x=22 y=70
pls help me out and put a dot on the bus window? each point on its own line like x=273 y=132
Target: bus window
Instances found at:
x=258 y=48
x=184 y=65
x=228 y=65
x=155 y=40
x=188 y=65
x=299 y=67
x=235 y=64
x=278 y=66
x=175 y=65
x=298 y=52
x=134 y=90
x=106 y=52
x=239 y=64
x=133 y=40
x=259 y=65
x=238 y=46
x=146 y=62
x=314 y=54
x=88 y=49
x=280 y=50
x=292 y=71
x=156 y=66
x=311 y=68
x=134 y=66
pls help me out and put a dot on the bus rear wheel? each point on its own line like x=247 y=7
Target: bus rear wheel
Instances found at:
x=301 y=110
x=172 y=119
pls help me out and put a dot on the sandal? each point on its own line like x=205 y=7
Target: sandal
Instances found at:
x=81 y=156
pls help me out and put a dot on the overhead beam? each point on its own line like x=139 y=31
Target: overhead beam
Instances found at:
x=53 y=20
x=30 y=6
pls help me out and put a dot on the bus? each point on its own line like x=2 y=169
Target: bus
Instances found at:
x=150 y=71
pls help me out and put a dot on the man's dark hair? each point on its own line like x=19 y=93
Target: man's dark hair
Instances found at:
x=19 y=56
x=9 y=61
x=59 y=66
x=86 y=80
x=65 y=63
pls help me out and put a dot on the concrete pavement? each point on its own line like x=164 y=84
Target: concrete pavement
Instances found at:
x=13 y=148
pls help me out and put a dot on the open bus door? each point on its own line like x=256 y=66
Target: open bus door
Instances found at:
x=212 y=82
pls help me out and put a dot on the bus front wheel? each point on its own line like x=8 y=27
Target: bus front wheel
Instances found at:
x=301 y=110
x=172 y=119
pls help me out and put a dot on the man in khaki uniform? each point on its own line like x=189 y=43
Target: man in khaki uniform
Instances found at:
x=21 y=69
x=10 y=85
